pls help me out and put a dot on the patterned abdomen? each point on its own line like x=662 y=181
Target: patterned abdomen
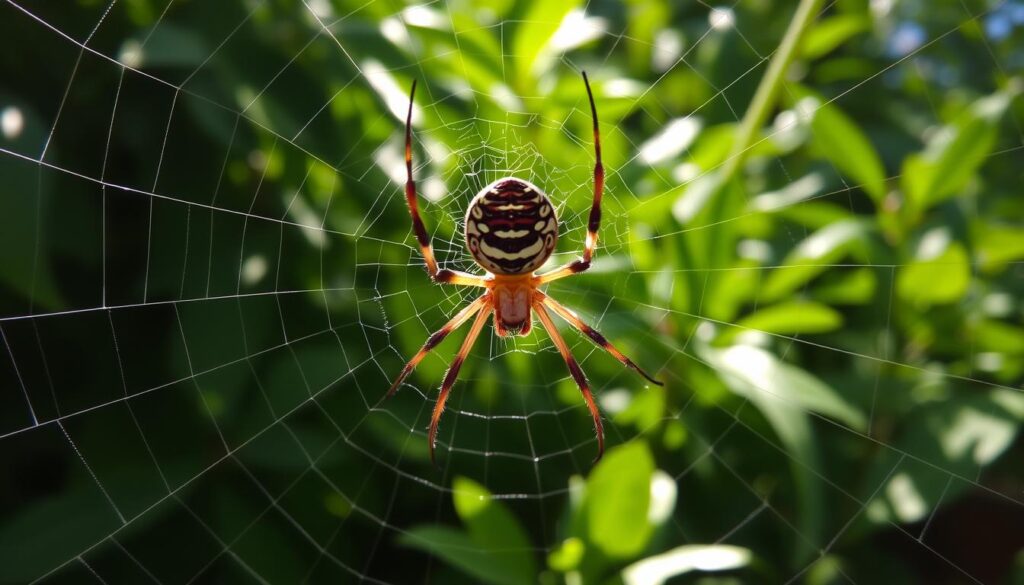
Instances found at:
x=511 y=227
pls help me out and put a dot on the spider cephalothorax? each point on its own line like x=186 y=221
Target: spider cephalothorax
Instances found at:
x=511 y=230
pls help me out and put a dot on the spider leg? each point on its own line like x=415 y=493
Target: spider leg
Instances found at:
x=453 y=373
x=577 y=374
x=573 y=319
x=437 y=337
x=594 y=222
x=444 y=276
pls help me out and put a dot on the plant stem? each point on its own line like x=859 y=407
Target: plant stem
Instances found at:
x=768 y=89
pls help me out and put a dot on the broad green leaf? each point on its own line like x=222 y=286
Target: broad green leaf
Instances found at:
x=459 y=550
x=533 y=35
x=936 y=280
x=955 y=152
x=684 y=559
x=811 y=257
x=839 y=140
x=786 y=318
x=831 y=32
x=494 y=529
x=618 y=501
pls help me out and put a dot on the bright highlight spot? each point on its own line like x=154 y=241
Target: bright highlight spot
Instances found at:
x=131 y=54
x=12 y=122
x=721 y=18
x=254 y=269
x=396 y=98
x=673 y=139
x=684 y=559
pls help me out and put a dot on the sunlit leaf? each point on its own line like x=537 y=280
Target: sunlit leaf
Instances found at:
x=954 y=152
x=759 y=375
x=786 y=319
x=618 y=500
x=854 y=287
x=996 y=245
x=532 y=36
x=813 y=256
x=938 y=279
x=829 y=33
x=838 y=139
x=684 y=559
x=494 y=529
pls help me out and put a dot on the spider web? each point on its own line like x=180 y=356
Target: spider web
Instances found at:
x=212 y=363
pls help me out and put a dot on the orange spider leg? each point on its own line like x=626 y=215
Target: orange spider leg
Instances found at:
x=453 y=372
x=445 y=276
x=438 y=336
x=594 y=222
x=577 y=374
x=573 y=319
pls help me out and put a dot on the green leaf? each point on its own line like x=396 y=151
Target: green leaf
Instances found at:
x=812 y=257
x=998 y=336
x=494 y=529
x=938 y=279
x=532 y=37
x=459 y=550
x=759 y=375
x=954 y=153
x=945 y=439
x=785 y=319
x=618 y=500
x=840 y=141
x=658 y=569
x=784 y=394
x=997 y=245
x=567 y=556
x=855 y=287
x=831 y=32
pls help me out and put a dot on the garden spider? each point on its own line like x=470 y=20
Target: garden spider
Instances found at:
x=511 y=229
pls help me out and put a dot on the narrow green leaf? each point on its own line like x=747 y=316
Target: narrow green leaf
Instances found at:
x=786 y=319
x=839 y=139
x=855 y=287
x=533 y=35
x=831 y=32
x=618 y=500
x=811 y=257
x=760 y=376
x=954 y=153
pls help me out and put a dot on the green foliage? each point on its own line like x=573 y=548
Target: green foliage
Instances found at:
x=494 y=548
x=822 y=260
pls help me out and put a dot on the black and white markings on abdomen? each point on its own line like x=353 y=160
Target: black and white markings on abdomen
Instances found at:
x=511 y=227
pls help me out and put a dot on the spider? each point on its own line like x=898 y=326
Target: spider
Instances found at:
x=510 y=230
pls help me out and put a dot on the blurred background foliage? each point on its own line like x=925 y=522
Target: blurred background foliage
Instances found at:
x=828 y=273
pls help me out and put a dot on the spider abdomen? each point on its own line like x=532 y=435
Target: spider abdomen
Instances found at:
x=511 y=227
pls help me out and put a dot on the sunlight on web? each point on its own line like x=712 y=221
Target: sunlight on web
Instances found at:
x=287 y=292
